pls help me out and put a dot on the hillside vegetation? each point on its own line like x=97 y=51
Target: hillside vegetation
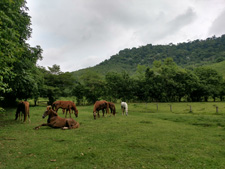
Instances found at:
x=187 y=55
x=219 y=67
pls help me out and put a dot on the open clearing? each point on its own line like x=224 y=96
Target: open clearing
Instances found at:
x=146 y=138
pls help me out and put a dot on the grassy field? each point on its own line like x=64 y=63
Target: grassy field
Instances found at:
x=146 y=138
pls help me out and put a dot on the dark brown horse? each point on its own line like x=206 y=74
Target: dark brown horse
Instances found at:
x=55 y=121
x=65 y=105
x=112 y=108
x=100 y=105
x=23 y=107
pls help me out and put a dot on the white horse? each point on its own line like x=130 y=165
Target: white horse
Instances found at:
x=124 y=107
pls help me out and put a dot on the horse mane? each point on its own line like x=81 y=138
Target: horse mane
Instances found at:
x=53 y=112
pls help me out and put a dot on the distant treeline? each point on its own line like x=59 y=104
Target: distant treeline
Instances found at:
x=157 y=75
x=165 y=82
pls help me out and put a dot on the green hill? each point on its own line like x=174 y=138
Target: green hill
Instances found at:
x=219 y=67
x=188 y=55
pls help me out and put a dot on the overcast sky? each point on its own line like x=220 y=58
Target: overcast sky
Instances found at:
x=77 y=34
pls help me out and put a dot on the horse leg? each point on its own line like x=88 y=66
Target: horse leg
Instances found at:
x=24 y=115
x=70 y=112
x=21 y=116
x=103 y=112
x=67 y=126
x=44 y=124
x=98 y=114
x=70 y=125
x=17 y=114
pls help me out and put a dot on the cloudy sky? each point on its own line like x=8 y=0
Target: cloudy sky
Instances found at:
x=77 y=34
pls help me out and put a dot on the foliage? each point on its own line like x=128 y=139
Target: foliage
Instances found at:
x=187 y=55
x=56 y=84
x=18 y=59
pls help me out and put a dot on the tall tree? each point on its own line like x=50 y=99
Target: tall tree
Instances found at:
x=17 y=58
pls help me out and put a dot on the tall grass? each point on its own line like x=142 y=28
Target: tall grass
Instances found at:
x=146 y=138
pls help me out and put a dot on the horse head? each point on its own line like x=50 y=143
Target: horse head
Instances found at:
x=76 y=113
x=94 y=114
x=48 y=112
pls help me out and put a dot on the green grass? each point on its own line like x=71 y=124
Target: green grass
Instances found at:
x=146 y=138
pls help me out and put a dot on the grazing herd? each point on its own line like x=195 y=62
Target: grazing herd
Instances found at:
x=56 y=121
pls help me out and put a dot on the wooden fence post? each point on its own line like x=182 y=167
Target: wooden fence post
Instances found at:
x=157 y=107
x=171 y=107
x=217 y=108
x=190 y=111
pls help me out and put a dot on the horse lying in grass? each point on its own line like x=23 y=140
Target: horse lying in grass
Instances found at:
x=23 y=107
x=100 y=105
x=124 y=107
x=55 y=121
x=65 y=105
x=112 y=108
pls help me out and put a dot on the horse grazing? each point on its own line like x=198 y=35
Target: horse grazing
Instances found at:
x=23 y=107
x=100 y=105
x=55 y=121
x=124 y=107
x=112 y=108
x=68 y=105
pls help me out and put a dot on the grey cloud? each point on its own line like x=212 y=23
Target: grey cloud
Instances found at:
x=182 y=20
x=218 y=26
x=164 y=26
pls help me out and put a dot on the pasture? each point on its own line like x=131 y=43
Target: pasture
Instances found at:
x=146 y=138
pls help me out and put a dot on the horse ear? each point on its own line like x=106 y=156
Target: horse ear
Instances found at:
x=49 y=107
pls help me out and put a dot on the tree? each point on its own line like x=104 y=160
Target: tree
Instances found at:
x=55 y=69
x=18 y=59
x=94 y=86
x=210 y=81
x=79 y=92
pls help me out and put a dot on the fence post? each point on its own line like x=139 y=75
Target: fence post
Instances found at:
x=171 y=107
x=217 y=108
x=190 y=111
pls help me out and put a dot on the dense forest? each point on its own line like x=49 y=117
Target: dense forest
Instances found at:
x=159 y=73
x=187 y=55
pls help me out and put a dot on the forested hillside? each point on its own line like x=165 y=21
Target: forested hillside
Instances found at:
x=187 y=55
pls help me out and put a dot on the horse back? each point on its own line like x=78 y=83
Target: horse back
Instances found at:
x=99 y=105
x=63 y=104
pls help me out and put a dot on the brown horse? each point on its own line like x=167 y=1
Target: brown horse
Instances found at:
x=23 y=107
x=55 y=121
x=100 y=105
x=68 y=105
x=112 y=108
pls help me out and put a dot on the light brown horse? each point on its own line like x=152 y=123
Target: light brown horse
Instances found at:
x=100 y=105
x=65 y=105
x=112 y=108
x=55 y=121
x=23 y=107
